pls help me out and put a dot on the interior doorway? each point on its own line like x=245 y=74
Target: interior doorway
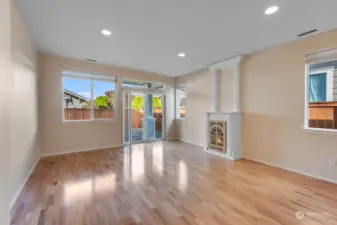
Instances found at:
x=143 y=116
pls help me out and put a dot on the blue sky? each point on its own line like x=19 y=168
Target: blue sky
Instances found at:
x=82 y=87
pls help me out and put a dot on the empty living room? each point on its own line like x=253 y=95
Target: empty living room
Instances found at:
x=173 y=112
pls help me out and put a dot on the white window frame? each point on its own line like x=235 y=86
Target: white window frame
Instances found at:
x=91 y=78
x=178 y=88
x=329 y=93
x=142 y=89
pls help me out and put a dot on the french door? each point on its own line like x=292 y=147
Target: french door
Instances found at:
x=143 y=116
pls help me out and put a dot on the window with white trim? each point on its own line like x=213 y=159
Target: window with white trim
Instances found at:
x=321 y=91
x=181 y=101
x=88 y=96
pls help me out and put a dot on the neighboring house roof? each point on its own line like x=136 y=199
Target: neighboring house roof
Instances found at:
x=76 y=95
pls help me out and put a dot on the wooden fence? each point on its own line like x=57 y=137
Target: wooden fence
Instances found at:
x=323 y=115
x=136 y=118
x=85 y=114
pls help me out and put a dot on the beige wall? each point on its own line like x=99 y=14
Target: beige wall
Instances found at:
x=5 y=57
x=58 y=136
x=273 y=107
x=199 y=100
x=23 y=105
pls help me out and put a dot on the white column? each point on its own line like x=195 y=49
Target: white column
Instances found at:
x=215 y=90
x=5 y=70
x=231 y=63
x=237 y=89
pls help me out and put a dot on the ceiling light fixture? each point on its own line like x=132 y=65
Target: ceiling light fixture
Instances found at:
x=106 y=32
x=182 y=55
x=271 y=10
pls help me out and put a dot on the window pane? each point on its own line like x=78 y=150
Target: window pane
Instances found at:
x=322 y=95
x=182 y=102
x=317 y=87
x=76 y=99
x=104 y=99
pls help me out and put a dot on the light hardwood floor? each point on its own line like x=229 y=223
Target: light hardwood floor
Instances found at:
x=169 y=183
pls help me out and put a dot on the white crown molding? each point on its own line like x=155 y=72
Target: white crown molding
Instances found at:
x=228 y=63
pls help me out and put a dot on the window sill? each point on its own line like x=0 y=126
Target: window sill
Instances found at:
x=320 y=130
x=89 y=121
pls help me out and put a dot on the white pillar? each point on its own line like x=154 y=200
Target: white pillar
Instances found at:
x=206 y=144
x=215 y=90
x=237 y=89
x=5 y=70
x=232 y=63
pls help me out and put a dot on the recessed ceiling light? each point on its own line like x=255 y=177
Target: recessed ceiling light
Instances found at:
x=106 y=32
x=182 y=55
x=271 y=10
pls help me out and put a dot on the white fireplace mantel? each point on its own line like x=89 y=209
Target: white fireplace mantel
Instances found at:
x=233 y=118
x=233 y=134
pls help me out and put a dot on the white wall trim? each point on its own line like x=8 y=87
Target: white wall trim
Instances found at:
x=306 y=96
x=188 y=142
x=292 y=170
x=80 y=150
x=320 y=130
x=17 y=193
x=172 y=139
x=227 y=63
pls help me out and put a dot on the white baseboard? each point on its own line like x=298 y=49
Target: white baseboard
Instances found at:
x=80 y=150
x=188 y=142
x=172 y=139
x=292 y=170
x=17 y=193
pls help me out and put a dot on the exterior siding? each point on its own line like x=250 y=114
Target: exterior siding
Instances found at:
x=75 y=104
x=335 y=85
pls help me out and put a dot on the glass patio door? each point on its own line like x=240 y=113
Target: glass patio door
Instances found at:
x=134 y=126
x=158 y=103
x=142 y=117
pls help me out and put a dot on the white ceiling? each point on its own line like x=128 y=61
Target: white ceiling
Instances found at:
x=148 y=34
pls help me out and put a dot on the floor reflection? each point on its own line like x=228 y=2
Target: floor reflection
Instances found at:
x=78 y=192
x=134 y=164
x=105 y=183
x=137 y=167
x=127 y=164
x=158 y=160
x=83 y=191
x=182 y=176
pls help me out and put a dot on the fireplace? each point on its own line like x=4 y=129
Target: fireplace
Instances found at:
x=217 y=135
x=223 y=134
x=223 y=128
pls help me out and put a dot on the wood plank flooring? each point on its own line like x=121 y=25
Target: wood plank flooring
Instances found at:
x=169 y=183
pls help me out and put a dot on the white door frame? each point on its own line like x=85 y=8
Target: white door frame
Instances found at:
x=129 y=91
